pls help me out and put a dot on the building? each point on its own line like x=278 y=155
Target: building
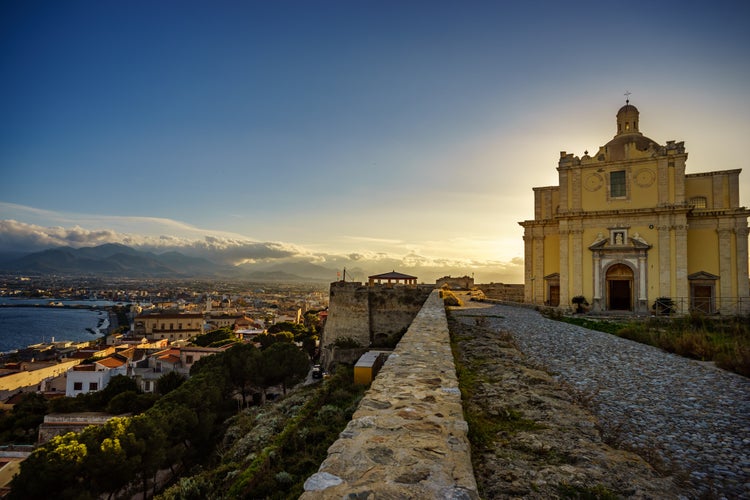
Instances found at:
x=392 y=278
x=462 y=283
x=93 y=377
x=170 y=326
x=627 y=225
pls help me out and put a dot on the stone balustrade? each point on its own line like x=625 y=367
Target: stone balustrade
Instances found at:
x=408 y=438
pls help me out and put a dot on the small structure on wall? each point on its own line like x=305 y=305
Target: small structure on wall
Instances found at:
x=392 y=278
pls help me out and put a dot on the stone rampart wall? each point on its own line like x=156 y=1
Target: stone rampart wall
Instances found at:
x=502 y=291
x=408 y=438
x=371 y=315
x=392 y=309
x=348 y=313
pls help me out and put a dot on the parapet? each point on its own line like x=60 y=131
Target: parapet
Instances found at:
x=408 y=438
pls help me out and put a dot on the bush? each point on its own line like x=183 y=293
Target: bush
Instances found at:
x=346 y=343
x=450 y=298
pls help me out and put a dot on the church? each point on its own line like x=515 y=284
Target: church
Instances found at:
x=627 y=226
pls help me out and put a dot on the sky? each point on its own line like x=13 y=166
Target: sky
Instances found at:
x=373 y=135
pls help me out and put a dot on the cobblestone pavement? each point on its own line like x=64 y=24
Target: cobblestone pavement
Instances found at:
x=696 y=415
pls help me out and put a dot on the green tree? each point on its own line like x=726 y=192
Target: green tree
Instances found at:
x=169 y=382
x=54 y=467
x=284 y=364
x=22 y=423
x=243 y=362
x=295 y=329
x=130 y=402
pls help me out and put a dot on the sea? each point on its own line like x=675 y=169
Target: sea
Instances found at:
x=29 y=321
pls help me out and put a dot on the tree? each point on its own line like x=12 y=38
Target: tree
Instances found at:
x=284 y=364
x=169 y=382
x=243 y=362
x=21 y=424
x=287 y=326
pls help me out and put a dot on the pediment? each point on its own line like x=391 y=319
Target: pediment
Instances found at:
x=702 y=275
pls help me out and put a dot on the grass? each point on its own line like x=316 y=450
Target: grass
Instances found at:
x=725 y=341
x=484 y=429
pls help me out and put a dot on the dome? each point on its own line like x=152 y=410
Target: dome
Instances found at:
x=627 y=119
x=628 y=135
x=628 y=108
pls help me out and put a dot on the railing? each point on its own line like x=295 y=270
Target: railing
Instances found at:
x=725 y=306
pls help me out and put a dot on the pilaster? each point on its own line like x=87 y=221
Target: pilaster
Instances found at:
x=743 y=282
x=538 y=281
x=563 y=176
x=576 y=183
x=576 y=235
x=564 y=268
x=725 y=265
x=665 y=268
x=680 y=271
x=528 y=265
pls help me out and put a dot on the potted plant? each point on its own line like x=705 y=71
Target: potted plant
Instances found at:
x=580 y=301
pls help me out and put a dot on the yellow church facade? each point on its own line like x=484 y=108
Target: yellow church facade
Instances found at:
x=627 y=225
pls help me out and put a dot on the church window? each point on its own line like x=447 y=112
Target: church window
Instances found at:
x=699 y=202
x=617 y=188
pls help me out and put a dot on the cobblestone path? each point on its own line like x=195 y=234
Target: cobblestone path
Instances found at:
x=696 y=415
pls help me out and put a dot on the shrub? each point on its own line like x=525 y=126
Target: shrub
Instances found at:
x=450 y=298
x=346 y=343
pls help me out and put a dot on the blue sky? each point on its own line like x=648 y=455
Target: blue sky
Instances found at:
x=358 y=133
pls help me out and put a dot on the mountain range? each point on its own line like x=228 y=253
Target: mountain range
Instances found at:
x=118 y=260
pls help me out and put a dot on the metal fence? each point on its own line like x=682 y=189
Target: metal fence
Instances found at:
x=726 y=306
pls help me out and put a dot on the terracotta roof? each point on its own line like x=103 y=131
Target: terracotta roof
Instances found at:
x=111 y=362
x=170 y=358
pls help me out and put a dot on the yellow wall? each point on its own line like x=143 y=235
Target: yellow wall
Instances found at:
x=700 y=186
x=702 y=246
x=551 y=254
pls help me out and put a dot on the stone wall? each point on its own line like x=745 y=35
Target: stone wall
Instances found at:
x=502 y=291
x=371 y=315
x=408 y=438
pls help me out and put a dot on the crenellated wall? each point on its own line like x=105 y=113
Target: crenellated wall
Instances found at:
x=408 y=438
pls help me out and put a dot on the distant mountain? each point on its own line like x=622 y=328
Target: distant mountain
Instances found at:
x=113 y=260
x=303 y=269
x=122 y=261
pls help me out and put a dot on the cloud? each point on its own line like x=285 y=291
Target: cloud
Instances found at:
x=20 y=236
x=231 y=250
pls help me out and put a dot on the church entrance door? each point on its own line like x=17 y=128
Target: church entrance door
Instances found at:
x=554 y=295
x=620 y=288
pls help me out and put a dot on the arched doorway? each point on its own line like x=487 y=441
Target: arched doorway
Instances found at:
x=620 y=288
